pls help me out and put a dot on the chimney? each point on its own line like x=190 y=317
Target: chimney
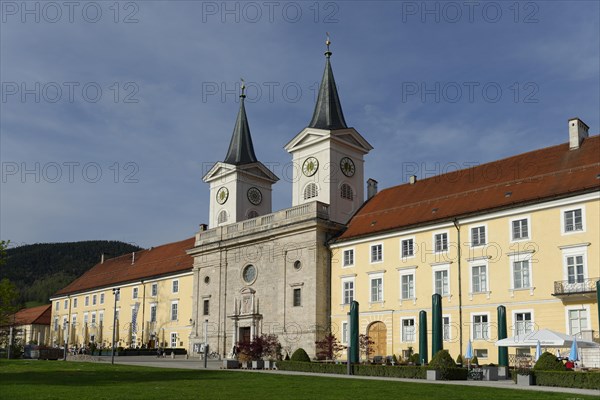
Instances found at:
x=578 y=131
x=412 y=179
x=203 y=227
x=371 y=188
x=133 y=258
x=102 y=258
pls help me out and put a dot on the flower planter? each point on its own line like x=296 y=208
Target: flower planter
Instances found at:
x=525 y=380
x=258 y=364
x=231 y=364
x=434 y=375
x=268 y=364
x=246 y=364
x=490 y=373
x=503 y=373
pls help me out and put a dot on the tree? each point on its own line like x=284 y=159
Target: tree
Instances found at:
x=8 y=292
x=329 y=347
x=365 y=344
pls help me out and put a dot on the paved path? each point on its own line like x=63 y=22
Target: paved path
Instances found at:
x=181 y=362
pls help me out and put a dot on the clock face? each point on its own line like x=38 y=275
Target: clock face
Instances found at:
x=310 y=166
x=249 y=274
x=347 y=166
x=222 y=195
x=254 y=196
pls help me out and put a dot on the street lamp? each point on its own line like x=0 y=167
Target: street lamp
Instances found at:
x=116 y=294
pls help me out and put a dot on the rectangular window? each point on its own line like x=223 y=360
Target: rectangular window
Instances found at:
x=75 y=303
x=523 y=323
x=117 y=295
x=85 y=318
x=93 y=319
x=154 y=289
x=376 y=289
x=153 y=313
x=175 y=286
x=205 y=307
x=441 y=282
x=66 y=305
x=135 y=293
x=101 y=317
x=344 y=332
x=521 y=274
x=348 y=257
x=575 y=269
x=94 y=300
x=173 y=340
x=348 y=288
x=297 y=297
x=408 y=330
x=480 y=327
x=408 y=286
x=87 y=301
x=478 y=236
x=573 y=220
x=441 y=242
x=520 y=229
x=101 y=298
x=376 y=253
x=480 y=353
x=174 y=311
x=55 y=323
x=57 y=305
x=479 y=278
x=446 y=327
x=577 y=321
x=74 y=320
x=408 y=248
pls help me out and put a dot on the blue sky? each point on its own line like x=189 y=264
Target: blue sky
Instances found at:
x=110 y=114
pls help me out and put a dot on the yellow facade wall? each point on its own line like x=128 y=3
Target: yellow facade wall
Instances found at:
x=545 y=249
x=165 y=331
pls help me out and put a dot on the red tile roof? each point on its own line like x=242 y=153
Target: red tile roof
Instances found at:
x=157 y=261
x=32 y=316
x=531 y=177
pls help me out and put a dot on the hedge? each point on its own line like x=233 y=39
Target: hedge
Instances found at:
x=568 y=379
x=409 y=372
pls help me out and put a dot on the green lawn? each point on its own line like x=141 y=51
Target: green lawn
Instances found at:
x=82 y=381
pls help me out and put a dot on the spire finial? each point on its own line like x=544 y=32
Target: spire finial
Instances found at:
x=243 y=87
x=327 y=43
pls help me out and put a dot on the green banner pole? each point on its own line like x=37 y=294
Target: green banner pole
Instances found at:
x=354 y=349
x=502 y=350
x=436 y=325
x=423 y=356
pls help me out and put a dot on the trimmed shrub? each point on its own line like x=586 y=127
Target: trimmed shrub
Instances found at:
x=323 y=368
x=459 y=360
x=548 y=362
x=568 y=379
x=415 y=359
x=300 y=356
x=359 y=369
x=474 y=360
x=442 y=360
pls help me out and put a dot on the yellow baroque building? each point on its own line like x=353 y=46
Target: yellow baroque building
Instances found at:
x=152 y=308
x=522 y=232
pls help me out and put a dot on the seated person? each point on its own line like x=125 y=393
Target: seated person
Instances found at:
x=570 y=365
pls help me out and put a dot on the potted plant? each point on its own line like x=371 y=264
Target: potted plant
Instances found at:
x=525 y=377
x=490 y=372
x=439 y=366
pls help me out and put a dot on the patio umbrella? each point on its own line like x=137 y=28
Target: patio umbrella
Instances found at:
x=573 y=356
x=546 y=337
x=469 y=353
x=538 y=351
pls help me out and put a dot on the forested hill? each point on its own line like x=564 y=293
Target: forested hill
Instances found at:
x=39 y=270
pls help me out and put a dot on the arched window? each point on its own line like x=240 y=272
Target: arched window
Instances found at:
x=252 y=214
x=222 y=218
x=311 y=191
x=346 y=192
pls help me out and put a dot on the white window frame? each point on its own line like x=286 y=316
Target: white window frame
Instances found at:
x=294 y=291
x=173 y=335
x=100 y=317
x=55 y=325
x=408 y=272
x=517 y=257
x=511 y=231
x=101 y=298
x=404 y=338
x=176 y=304
x=350 y=251
x=66 y=304
x=581 y=307
x=371 y=253
x=485 y=235
x=94 y=299
x=308 y=195
x=75 y=302
x=437 y=268
x=433 y=240
x=154 y=289
x=487 y=327
x=86 y=318
x=373 y=276
x=87 y=301
x=93 y=319
x=447 y=338
x=574 y=251
x=402 y=240
x=153 y=306
x=175 y=286
x=563 y=216
x=514 y=320
x=344 y=281
x=57 y=306
x=344 y=332
x=479 y=263
x=135 y=292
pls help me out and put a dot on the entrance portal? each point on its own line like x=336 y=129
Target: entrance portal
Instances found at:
x=378 y=334
x=245 y=334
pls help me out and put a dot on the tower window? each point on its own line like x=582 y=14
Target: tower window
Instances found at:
x=311 y=191
x=252 y=214
x=222 y=218
x=346 y=192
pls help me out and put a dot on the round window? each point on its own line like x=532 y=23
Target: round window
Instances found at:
x=207 y=280
x=249 y=273
x=297 y=265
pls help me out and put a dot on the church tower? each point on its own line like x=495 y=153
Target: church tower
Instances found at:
x=328 y=156
x=240 y=186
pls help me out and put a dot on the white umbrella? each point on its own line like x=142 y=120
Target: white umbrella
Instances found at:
x=538 y=351
x=573 y=356
x=469 y=354
x=546 y=337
